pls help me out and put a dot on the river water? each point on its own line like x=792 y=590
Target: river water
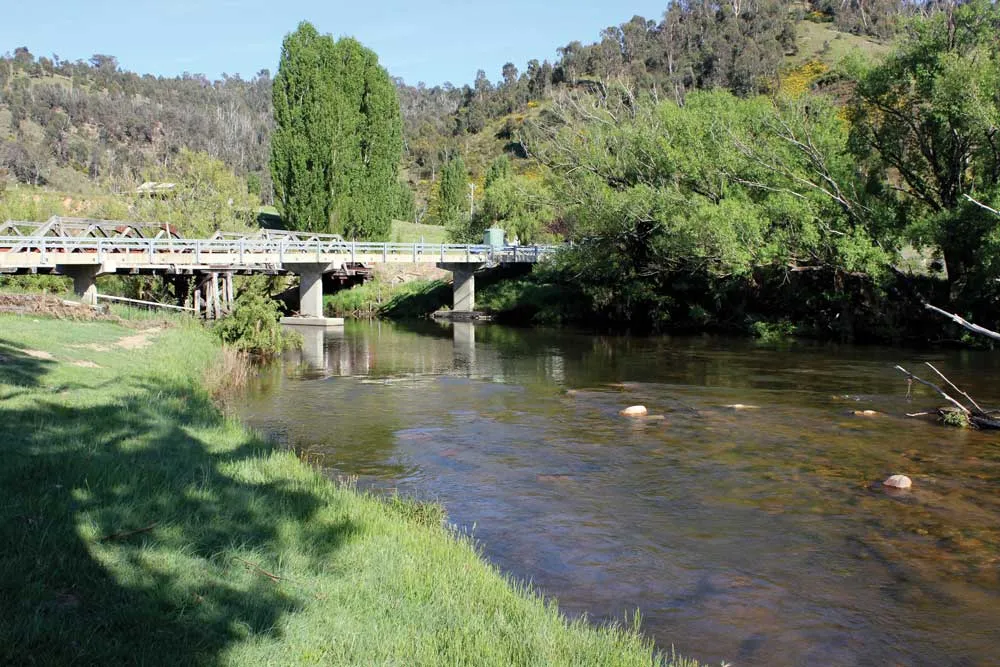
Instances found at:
x=757 y=536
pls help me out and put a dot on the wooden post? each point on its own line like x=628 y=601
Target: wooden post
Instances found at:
x=229 y=291
x=216 y=306
x=197 y=299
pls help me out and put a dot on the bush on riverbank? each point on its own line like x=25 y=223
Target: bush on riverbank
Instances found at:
x=409 y=300
x=254 y=326
x=142 y=527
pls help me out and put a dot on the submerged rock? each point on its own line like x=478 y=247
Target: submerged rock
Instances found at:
x=866 y=413
x=898 y=482
x=634 y=411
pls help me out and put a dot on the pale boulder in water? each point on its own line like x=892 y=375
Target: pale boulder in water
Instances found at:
x=634 y=411
x=898 y=482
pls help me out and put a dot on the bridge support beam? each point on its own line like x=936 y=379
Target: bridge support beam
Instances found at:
x=84 y=282
x=463 y=286
x=311 y=295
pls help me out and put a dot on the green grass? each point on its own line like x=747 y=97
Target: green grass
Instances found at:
x=417 y=298
x=414 y=232
x=140 y=526
x=821 y=42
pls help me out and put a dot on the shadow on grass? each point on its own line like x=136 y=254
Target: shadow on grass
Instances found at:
x=128 y=540
x=18 y=368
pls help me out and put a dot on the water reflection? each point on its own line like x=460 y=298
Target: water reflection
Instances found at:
x=752 y=536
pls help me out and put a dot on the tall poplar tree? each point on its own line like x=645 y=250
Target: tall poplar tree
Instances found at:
x=338 y=138
x=302 y=156
x=449 y=201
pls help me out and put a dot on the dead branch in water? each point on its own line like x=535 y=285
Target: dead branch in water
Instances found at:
x=936 y=388
x=952 y=385
x=976 y=416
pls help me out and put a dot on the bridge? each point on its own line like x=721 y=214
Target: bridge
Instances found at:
x=84 y=249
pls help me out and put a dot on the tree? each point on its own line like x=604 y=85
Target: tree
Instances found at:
x=337 y=141
x=449 y=200
x=928 y=117
x=369 y=144
x=499 y=169
x=672 y=205
x=303 y=156
x=208 y=197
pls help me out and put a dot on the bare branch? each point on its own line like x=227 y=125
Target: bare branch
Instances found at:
x=936 y=388
x=982 y=205
x=975 y=328
x=952 y=385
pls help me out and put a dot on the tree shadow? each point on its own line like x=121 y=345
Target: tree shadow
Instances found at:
x=19 y=368
x=131 y=539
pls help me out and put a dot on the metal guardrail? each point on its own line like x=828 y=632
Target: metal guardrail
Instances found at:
x=248 y=249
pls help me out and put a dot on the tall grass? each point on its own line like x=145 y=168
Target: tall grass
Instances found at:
x=140 y=526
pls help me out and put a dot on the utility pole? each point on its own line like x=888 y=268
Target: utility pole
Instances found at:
x=472 y=198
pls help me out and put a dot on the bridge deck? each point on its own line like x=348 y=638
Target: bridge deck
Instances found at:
x=243 y=254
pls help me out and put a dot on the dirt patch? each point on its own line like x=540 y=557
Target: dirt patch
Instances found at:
x=92 y=346
x=139 y=340
x=86 y=364
x=50 y=306
x=39 y=354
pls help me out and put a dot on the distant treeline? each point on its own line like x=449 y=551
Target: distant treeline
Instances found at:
x=68 y=123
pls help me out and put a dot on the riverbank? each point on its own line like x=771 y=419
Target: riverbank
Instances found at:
x=143 y=527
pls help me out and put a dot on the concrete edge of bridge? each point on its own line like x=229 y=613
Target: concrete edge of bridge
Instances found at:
x=313 y=321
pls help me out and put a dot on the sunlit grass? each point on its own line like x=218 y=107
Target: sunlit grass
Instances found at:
x=140 y=526
x=414 y=232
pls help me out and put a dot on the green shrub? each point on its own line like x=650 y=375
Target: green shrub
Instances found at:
x=770 y=332
x=254 y=325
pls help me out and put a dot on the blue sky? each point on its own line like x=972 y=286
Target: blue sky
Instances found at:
x=432 y=41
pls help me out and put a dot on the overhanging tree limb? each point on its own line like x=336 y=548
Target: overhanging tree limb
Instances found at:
x=957 y=319
x=982 y=205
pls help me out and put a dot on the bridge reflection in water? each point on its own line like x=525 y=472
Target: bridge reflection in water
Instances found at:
x=329 y=352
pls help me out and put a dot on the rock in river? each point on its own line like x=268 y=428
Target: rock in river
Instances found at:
x=634 y=411
x=898 y=482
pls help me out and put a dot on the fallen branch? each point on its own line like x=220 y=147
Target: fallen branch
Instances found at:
x=935 y=388
x=975 y=328
x=122 y=534
x=952 y=385
x=253 y=567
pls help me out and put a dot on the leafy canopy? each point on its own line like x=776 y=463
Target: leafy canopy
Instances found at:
x=337 y=142
x=928 y=119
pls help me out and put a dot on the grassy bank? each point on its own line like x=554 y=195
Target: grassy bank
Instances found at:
x=141 y=527
x=376 y=298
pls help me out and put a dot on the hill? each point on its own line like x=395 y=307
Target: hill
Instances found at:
x=89 y=129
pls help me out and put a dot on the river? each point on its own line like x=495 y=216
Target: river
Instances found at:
x=757 y=536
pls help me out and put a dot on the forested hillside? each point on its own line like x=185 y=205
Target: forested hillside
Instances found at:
x=91 y=126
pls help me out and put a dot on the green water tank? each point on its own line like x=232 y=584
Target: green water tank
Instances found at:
x=493 y=237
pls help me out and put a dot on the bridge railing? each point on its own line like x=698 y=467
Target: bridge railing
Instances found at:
x=282 y=249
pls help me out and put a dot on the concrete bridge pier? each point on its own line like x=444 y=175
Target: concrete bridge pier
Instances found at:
x=463 y=286
x=84 y=281
x=311 y=295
